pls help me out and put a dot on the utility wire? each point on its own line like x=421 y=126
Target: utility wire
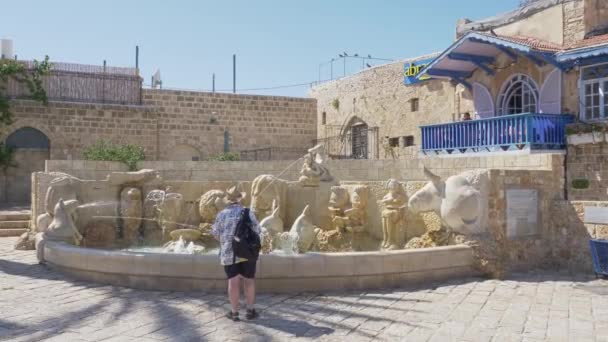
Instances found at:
x=248 y=89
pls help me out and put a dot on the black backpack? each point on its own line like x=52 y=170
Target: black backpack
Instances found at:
x=246 y=242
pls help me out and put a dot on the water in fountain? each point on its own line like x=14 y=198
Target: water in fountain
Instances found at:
x=288 y=243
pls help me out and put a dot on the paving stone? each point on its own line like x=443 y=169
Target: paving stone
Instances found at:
x=37 y=304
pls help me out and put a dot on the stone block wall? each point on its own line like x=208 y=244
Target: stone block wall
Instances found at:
x=525 y=252
x=378 y=97
x=71 y=127
x=343 y=170
x=588 y=162
x=199 y=120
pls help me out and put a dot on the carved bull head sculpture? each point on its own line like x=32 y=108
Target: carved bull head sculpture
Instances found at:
x=455 y=200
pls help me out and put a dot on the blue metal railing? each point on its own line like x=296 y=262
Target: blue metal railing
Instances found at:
x=535 y=131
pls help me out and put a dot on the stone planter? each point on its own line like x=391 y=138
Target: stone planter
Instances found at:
x=579 y=139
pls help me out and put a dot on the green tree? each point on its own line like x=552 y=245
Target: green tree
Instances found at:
x=106 y=151
x=31 y=78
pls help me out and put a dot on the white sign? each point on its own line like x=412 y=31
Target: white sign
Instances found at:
x=522 y=212
x=598 y=215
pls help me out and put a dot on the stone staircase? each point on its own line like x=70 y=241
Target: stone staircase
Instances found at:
x=14 y=222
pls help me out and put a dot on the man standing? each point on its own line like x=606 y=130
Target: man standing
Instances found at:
x=236 y=268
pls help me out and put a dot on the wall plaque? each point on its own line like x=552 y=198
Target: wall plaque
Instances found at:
x=597 y=215
x=522 y=212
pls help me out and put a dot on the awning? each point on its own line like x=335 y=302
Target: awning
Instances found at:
x=477 y=50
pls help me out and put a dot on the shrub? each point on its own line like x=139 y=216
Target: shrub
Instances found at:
x=106 y=151
x=6 y=157
x=580 y=183
x=336 y=104
x=226 y=156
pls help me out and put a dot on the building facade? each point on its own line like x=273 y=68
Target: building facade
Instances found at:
x=536 y=61
x=170 y=125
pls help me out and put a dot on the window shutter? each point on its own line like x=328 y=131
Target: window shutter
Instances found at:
x=482 y=100
x=551 y=94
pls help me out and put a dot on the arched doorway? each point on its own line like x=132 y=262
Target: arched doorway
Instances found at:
x=518 y=95
x=31 y=148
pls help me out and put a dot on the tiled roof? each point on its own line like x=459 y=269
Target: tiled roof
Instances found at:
x=592 y=41
x=534 y=43
x=543 y=45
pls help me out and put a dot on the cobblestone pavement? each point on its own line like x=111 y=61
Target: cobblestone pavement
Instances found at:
x=38 y=304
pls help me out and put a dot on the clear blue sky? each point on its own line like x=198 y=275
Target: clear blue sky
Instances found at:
x=277 y=42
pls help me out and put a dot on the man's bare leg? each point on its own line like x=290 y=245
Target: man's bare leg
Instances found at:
x=234 y=291
x=249 y=292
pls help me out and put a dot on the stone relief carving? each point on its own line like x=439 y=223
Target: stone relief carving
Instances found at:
x=303 y=232
x=131 y=212
x=62 y=228
x=313 y=171
x=458 y=200
x=338 y=202
x=392 y=214
x=170 y=211
x=357 y=213
x=211 y=203
x=266 y=190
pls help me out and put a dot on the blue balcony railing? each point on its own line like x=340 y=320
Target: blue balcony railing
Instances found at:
x=501 y=133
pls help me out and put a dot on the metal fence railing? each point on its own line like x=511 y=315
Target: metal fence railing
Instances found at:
x=530 y=130
x=85 y=83
x=355 y=142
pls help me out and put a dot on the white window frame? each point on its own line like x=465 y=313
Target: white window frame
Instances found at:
x=583 y=95
x=527 y=81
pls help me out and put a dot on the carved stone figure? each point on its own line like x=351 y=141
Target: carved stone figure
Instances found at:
x=43 y=221
x=457 y=200
x=313 y=171
x=170 y=211
x=357 y=213
x=304 y=230
x=131 y=211
x=266 y=241
x=338 y=202
x=152 y=207
x=211 y=203
x=64 y=187
x=266 y=189
x=62 y=228
x=273 y=223
x=392 y=214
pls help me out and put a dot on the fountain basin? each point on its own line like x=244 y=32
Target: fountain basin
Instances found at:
x=276 y=272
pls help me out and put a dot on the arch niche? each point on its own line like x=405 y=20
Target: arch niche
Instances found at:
x=31 y=148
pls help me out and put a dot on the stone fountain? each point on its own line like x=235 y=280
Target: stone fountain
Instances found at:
x=314 y=227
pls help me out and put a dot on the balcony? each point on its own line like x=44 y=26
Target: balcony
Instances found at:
x=529 y=131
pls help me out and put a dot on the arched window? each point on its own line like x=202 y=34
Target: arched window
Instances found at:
x=518 y=95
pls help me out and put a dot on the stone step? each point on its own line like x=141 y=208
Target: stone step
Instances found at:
x=12 y=232
x=14 y=224
x=14 y=217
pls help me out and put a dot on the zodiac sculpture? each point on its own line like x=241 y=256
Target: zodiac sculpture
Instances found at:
x=392 y=214
x=457 y=200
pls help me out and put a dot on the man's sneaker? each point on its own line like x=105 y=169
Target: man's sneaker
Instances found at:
x=252 y=314
x=233 y=316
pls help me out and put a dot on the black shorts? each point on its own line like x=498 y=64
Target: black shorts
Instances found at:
x=244 y=268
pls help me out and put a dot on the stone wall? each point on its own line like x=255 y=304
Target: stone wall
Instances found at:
x=524 y=252
x=588 y=162
x=571 y=233
x=344 y=170
x=71 y=127
x=378 y=97
x=199 y=120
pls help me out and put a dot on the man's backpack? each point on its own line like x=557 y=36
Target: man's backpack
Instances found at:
x=246 y=242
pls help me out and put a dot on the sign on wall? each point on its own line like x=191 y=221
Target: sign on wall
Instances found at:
x=522 y=212
x=412 y=69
